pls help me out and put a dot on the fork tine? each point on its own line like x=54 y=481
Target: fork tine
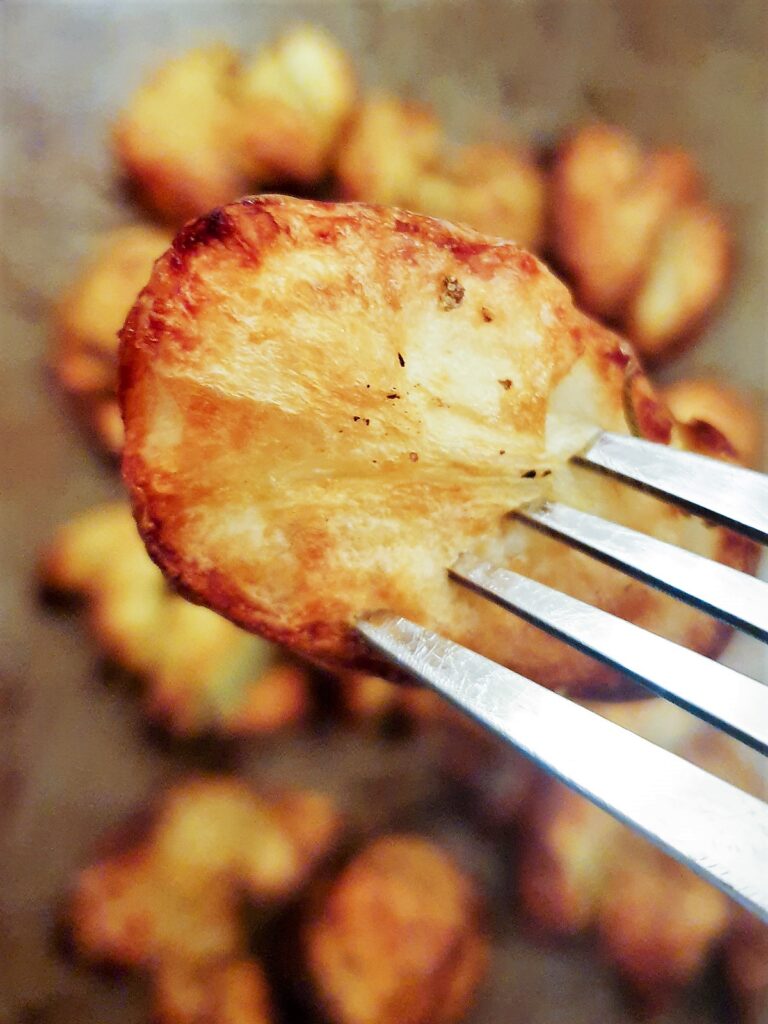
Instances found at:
x=716 y=490
x=720 y=590
x=707 y=824
x=712 y=691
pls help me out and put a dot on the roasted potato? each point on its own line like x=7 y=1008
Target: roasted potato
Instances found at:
x=168 y=900
x=206 y=128
x=396 y=939
x=655 y=921
x=178 y=140
x=90 y=314
x=704 y=403
x=201 y=673
x=376 y=395
x=293 y=100
x=395 y=155
x=636 y=237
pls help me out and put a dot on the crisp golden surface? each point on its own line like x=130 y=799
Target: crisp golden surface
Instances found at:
x=395 y=154
x=632 y=230
x=396 y=939
x=656 y=922
x=206 y=127
x=90 y=314
x=327 y=404
x=167 y=899
x=201 y=673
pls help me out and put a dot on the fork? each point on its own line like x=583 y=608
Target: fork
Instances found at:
x=714 y=828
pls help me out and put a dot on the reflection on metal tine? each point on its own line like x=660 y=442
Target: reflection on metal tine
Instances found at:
x=707 y=824
x=716 y=490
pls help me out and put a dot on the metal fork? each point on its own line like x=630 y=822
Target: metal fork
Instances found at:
x=709 y=825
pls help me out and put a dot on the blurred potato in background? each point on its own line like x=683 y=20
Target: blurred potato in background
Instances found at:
x=636 y=236
x=396 y=938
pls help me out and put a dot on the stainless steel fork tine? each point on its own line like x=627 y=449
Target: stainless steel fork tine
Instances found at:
x=707 y=824
x=718 y=491
x=714 y=692
x=726 y=593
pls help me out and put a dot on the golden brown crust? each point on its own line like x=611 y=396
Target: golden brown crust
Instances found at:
x=201 y=673
x=377 y=391
x=90 y=314
x=396 y=939
x=634 y=234
x=394 y=154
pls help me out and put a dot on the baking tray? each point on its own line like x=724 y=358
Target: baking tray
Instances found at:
x=74 y=755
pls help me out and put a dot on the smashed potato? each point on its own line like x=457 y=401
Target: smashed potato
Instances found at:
x=656 y=921
x=633 y=232
x=394 y=155
x=377 y=393
x=169 y=901
x=89 y=316
x=202 y=673
x=704 y=403
x=204 y=128
x=396 y=939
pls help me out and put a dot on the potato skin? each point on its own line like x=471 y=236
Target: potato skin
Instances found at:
x=326 y=404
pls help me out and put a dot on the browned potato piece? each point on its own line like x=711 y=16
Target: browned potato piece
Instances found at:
x=293 y=100
x=201 y=673
x=168 y=900
x=204 y=129
x=634 y=235
x=396 y=940
x=375 y=395
x=656 y=921
x=609 y=202
x=686 y=274
x=394 y=155
x=704 y=402
x=88 y=317
x=178 y=138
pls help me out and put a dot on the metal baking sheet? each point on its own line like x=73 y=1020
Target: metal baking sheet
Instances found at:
x=74 y=756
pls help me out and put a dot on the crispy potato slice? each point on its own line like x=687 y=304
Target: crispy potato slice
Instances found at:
x=396 y=939
x=656 y=921
x=326 y=404
x=703 y=402
x=686 y=274
x=167 y=900
x=394 y=154
x=89 y=316
x=201 y=673
x=609 y=202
